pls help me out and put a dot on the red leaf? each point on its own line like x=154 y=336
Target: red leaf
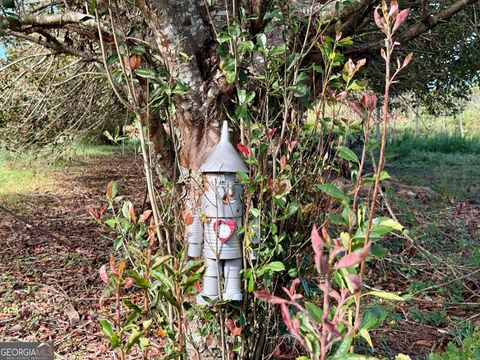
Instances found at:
x=360 y=63
x=271 y=299
x=187 y=217
x=341 y=96
x=198 y=286
x=355 y=107
x=400 y=19
x=101 y=301
x=146 y=214
x=290 y=144
x=317 y=241
x=93 y=213
x=101 y=211
x=322 y=265
x=352 y=258
x=286 y=318
x=326 y=235
x=293 y=286
x=112 y=265
x=131 y=212
x=369 y=101
x=128 y=283
x=271 y=185
x=230 y=324
x=349 y=260
x=378 y=19
x=236 y=331
x=393 y=8
x=283 y=161
x=270 y=133
x=407 y=59
x=331 y=328
x=135 y=61
x=337 y=251
x=356 y=282
x=243 y=149
x=103 y=274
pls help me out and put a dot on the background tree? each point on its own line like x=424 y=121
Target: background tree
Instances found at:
x=51 y=99
x=180 y=41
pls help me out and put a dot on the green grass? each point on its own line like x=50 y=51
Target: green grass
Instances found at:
x=31 y=172
x=448 y=164
x=437 y=143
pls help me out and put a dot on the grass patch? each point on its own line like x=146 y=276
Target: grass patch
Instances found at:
x=33 y=172
x=449 y=165
x=437 y=143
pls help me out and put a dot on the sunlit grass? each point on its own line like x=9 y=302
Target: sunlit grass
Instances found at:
x=18 y=178
x=449 y=165
x=37 y=171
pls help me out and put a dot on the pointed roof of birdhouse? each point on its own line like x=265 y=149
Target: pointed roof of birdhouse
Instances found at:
x=224 y=157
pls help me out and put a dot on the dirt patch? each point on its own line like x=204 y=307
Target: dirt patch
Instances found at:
x=49 y=284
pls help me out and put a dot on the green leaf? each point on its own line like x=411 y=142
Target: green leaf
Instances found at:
x=223 y=37
x=402 y=357
x=347 y=154
x=383 y=176
x=246 y=46
x=137 y=49
x=230 y=76
x=358 y=84
x=261 y=40
x=111 y=223
x=378 y=251
x=189 y=281
x=385 y=295
x=107 y=330
x=161 y=260
x=343 y=348
x=9 y=4
x=278 y=50
x=315 y=312
x=133 y=339
x=169 y=298
x=345 y=41
x=242 y=95
x=92 y=6
x=140 y=281
x=125 y=211
x=291 y=209
x=334 y=192
x=145 y=73
x=365 y=334
x=337 y=219
x=395 y=225
x=147 y=324
x=373 y=317
x=275 y=266
x=144 y=342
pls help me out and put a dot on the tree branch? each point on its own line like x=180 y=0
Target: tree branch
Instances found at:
x=57 y=46
x=426 y=23
x=55 y=20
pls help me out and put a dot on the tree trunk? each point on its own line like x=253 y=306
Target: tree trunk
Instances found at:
x=417 y=115
x=460 y=122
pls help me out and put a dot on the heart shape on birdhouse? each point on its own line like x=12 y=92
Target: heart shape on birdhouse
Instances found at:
x=224 y=229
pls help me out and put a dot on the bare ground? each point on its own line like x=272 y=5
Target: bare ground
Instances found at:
x=49 y=284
